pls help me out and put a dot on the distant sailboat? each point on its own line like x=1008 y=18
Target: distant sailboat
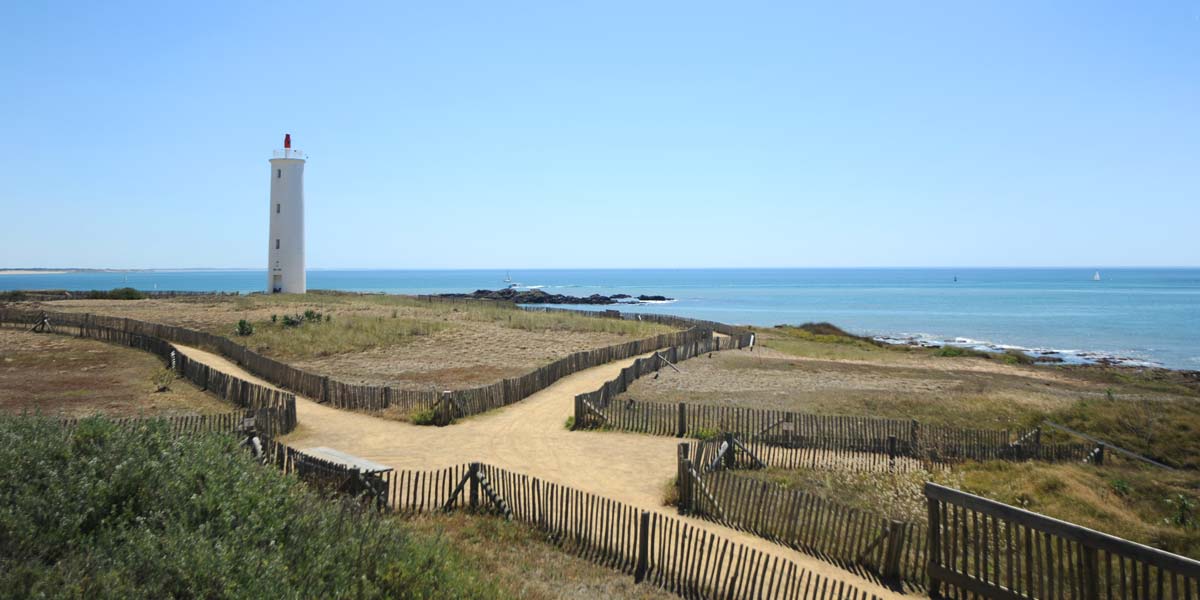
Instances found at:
x=1096 y=277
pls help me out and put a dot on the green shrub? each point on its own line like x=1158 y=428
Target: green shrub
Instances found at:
x=426 y=416
x=163 y=378
x=705 y=433
x=570 y=424
x=138 y=513
x=123 y=293
x=244 y=328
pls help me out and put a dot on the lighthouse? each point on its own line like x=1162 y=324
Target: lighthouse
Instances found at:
x=285 y=257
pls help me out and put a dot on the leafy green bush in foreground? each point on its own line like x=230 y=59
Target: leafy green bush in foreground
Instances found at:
x=110 y=513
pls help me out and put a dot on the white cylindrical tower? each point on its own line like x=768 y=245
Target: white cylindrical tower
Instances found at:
x=285 y=259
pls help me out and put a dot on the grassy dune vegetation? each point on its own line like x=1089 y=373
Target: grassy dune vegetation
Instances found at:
x=109 y=513
x=136 y=513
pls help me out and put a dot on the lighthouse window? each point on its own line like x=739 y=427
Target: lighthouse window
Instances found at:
x=276 y=209
x=278 y=173
x=276 y=243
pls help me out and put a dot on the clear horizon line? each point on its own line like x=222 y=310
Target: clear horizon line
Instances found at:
x=655 y=268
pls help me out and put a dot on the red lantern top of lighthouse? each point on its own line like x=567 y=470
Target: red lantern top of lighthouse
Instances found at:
x=287 y=151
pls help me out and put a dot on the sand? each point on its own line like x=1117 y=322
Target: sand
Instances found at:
x=528 y=437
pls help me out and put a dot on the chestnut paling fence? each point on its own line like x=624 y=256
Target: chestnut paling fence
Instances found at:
x=274 y=411
x=653 y=547
x=457 y=403
x=709 y=486
x=801 y=439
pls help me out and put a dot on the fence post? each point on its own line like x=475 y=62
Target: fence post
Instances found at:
x=474 y=485
x=891 y=449
x=730 y=463
x=639 y=573
x=893 y=548
x=681 y=427
x=578 y=422
x=1037 y=437
x=914 y=437
x=1100 y=454
x=387 y=397
x=445 y=408
x=683 y=479
x=934 y=550
x=325 y=390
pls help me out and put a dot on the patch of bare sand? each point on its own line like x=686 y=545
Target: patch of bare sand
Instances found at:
x=529 y=437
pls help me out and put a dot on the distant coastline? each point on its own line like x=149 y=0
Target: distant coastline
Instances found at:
x=35 y=271
x=1133 y=316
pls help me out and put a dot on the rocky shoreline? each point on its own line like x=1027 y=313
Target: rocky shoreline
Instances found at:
x=540 y=297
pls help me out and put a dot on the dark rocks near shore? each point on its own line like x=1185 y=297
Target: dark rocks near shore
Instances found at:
x=540 y=297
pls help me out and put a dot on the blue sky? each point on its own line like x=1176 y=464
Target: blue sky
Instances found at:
x=606 y=134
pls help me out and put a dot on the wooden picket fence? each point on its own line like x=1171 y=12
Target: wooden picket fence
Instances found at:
x=323 y=389
x=982 y=548
x=812 y=436
x=859 y=540
x=179 y=425
x=653 y=547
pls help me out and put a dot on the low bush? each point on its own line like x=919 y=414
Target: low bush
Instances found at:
x=244 y=328
x=163 y=378
x=425 y=416
x=105 y=512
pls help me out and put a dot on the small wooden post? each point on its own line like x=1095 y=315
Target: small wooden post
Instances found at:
x=914 y=436
x=325 y=390
x=730 y=463
x=1037 y=436
x=444 y=408
x=893 y=546
x=387 y=397
x=891 y=448
x=934 y=551
x=474 y=485
x=639 y=572
x=683 y=479
x=681 y=426
x=1100 y=454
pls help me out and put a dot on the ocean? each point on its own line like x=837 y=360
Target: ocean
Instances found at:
x=1138 y=316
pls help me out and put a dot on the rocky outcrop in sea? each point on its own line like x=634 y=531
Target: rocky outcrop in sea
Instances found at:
x=540 y=297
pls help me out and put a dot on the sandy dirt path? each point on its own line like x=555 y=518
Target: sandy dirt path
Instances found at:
x=528 y=437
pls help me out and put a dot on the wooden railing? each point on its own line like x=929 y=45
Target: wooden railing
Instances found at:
x=979 y=546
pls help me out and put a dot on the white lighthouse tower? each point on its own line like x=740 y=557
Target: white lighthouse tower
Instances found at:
x=285 y=259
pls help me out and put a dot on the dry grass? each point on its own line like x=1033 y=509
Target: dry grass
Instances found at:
x=386 y=340
x=523 y=564
x=62 y=375
x=1153 y=412
x=343 y=335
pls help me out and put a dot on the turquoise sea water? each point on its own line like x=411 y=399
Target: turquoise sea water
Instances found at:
x=1150 y=315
